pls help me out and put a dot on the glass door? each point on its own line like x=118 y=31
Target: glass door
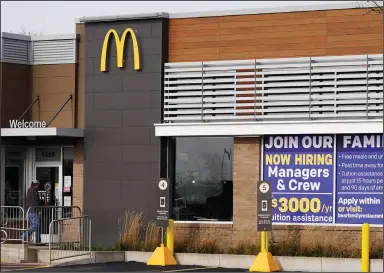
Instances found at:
x=49 y=185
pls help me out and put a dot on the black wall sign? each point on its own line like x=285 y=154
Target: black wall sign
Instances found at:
x=162 y=203
x=264 y=206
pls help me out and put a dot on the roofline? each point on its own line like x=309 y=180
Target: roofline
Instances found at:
x=15 y=36
x=71 y=36
x=351 y=5
x=138 y=16
x=39 y=37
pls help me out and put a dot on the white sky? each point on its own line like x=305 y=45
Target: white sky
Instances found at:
x=58 y=17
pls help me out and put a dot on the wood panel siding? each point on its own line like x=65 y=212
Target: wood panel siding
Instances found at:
x=296 y=34
x=54 y=83
x=15 y=94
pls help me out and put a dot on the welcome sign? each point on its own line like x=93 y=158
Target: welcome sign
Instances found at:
x=27 y=124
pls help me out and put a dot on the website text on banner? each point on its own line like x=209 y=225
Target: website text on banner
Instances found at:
x=300 y=169
x=359 y=179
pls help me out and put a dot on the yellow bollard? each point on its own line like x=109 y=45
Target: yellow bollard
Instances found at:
x=264 y=241
x=264 y=261
x=170 y=233
x=365 y=248
x=163 y=255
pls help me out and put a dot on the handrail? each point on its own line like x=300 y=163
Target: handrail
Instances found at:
x=60 y=245
x=52 y=207
x=29 y=107
x=6 y=216
x=61 y=108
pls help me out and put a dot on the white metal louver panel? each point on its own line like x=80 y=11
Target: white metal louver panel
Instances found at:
x=15 y=50
x=53 y=51
x=292 y=89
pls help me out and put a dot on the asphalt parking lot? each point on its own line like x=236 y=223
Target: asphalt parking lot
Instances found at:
x=117 y=267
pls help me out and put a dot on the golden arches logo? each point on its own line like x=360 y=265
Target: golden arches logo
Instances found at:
x=120 y=43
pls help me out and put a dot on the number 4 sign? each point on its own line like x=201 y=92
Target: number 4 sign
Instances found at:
x=162 y=203
x=163 y=185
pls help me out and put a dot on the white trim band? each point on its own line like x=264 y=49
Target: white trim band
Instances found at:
x=199 y=14
x=36 y=132
x=270 y=128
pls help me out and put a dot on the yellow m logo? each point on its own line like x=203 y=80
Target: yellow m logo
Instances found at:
x=120 y=49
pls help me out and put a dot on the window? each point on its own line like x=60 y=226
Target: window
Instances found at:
x=203 y=179
x=67 y=180
x=13 y=178
x=13 y=182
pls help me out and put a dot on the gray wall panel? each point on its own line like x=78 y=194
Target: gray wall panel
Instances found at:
x=122 y=152
x=147 y=117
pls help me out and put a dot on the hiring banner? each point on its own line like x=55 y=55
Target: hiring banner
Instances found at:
x=325 y=179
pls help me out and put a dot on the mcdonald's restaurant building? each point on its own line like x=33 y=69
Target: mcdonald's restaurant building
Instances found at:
x=212 y=101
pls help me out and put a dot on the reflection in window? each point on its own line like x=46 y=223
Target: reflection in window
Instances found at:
x=203 y=181
x=13 y=177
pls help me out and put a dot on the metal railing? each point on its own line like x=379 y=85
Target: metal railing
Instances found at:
x=39 y=219
x=32 y=225
x=12 y=223
x=312 y=88
x=69 y=237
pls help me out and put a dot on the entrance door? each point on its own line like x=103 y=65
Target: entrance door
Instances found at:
x=49 y=178
x=49 y=181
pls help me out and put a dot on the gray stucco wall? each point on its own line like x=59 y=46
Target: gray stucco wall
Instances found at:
x=122 y=154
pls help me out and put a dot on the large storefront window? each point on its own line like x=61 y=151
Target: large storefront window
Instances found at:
x=203 y=179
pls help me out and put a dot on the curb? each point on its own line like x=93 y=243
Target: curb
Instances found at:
x=303 y=264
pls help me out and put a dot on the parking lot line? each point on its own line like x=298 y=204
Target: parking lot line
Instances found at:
x=189 y=269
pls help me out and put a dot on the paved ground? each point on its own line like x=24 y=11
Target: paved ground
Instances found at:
x=116 y=267
x=17 y=267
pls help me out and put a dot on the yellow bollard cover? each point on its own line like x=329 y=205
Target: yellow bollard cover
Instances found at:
x=162 y=256
x=264 y=262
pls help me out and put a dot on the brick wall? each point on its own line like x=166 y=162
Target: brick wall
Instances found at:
x=78 y=175
x=246 y=171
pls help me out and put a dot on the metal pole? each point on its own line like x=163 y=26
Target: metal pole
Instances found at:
x=266 y=241
x=162 y=235
x=61 y=108
x=170 y=237
x=49 y=243
x=262 y=241
x=90 y=236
